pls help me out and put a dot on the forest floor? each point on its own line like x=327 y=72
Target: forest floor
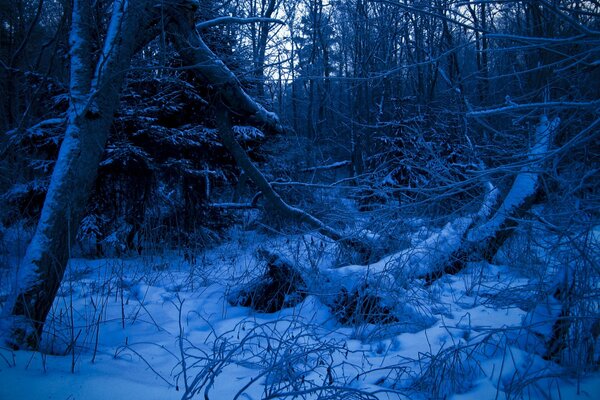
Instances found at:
x=149 y=327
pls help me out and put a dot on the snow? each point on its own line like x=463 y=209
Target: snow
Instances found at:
x=144 y=310
x=112 y=36
x=59 y=383
x=524 y=185
x=429 y=250
x=245 y=133
x=27 y=272
x=70 y=147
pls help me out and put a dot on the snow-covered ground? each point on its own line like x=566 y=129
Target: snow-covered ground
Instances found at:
x=152 y=326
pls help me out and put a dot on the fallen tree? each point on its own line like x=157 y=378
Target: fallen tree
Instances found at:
x=483 y=241
x=358 y=293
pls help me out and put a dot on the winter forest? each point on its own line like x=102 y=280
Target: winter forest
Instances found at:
x=299 y=199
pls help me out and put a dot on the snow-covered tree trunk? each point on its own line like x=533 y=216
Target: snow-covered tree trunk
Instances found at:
x=483 y=241
x=214 y=72
x=236 y=101
x=94 y=96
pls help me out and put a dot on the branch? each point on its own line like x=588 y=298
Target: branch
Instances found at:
x=234 y=206
x=214 y=72
x=239 y=206
x=276 y=203
x=236 y=20
x=335 y=165
x=310 y=185
x=482 y=242
x=581 y=28
x=529 y=106
x=423 y=11
x=537 y=39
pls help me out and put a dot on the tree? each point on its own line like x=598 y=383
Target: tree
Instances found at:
x=94 y=93
x=260 y=38
x=234 y=100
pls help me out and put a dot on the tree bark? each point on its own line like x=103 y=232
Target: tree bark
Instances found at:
x=94 y=98
x=277 y=204
x=483 y=241
x=214 y=72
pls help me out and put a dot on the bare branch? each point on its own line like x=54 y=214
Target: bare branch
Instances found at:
x=533 y=106
x=334 y=165
x=236 y=20
x=234 y=206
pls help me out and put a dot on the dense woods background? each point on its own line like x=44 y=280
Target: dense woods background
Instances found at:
x=392 y=110
x=389 y=89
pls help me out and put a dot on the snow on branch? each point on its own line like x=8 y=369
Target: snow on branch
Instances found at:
x=532 y=106
x=524 y=186
x=310 y=185
x=47 y=122
x=481 y=242
x=239 y=206
x=236 y=20
x=335 y=165
x=211 y=69
x=234 y=206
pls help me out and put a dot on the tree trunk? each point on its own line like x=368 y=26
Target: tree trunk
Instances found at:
x=278 y=205
x=213 y=71
x=94 y=98
x=483 y=241
x=260 y=57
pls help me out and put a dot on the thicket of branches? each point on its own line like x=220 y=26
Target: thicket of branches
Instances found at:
x=394 y=109
x=390 y=90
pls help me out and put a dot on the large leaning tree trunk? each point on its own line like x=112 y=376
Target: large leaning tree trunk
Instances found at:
x=348 y=291
x=483 y=241
x=210 y=69
x=277 y=204
x=235 y=101
x=94 y=95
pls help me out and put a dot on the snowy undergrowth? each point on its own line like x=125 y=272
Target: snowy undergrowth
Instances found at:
x=160 y=327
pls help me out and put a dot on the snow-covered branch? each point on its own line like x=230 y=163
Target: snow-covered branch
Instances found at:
x=210 y=68
x=236 y=20
x=233 y=206
x=534 y=106
x=334 y=165
x=310 y=185
x=278 y=205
